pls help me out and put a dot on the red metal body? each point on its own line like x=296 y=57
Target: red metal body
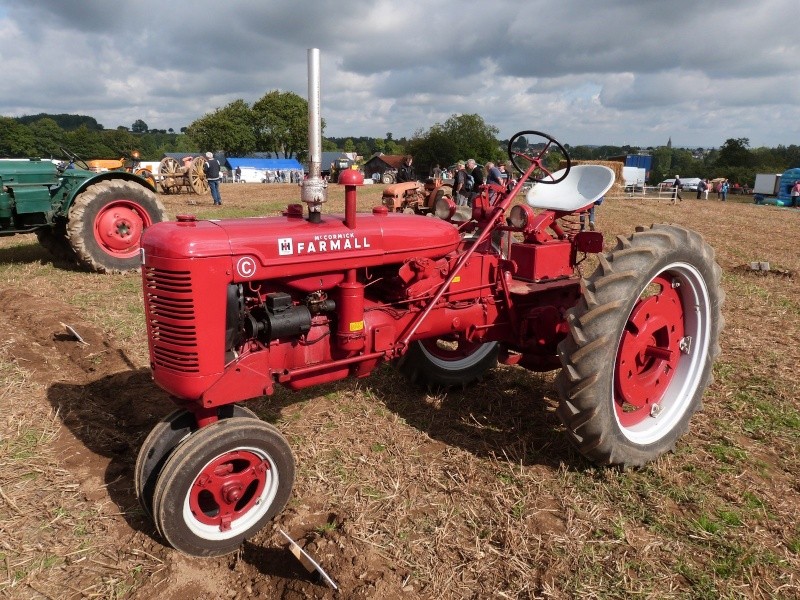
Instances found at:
x=234 y=307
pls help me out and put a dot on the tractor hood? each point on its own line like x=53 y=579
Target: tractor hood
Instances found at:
x=277 y=247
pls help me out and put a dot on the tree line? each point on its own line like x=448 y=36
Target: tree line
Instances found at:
x=277 y=124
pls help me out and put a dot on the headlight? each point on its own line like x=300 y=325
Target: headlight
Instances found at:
x=520 y=215
x=444 y=208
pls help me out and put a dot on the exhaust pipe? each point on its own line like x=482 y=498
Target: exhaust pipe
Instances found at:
x=314 y=189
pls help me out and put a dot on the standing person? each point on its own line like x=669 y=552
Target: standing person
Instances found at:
x=597 y=202
x=406 y=171
x=723 y=190
x=237 y=174
x=508 y=169
x=437 y=172
x=701 y=187
x=459 y=185
x=477 y=174
x=705 y=189
x=796 y=194
x=493 y=175
x=676 y=192
x=211 y=168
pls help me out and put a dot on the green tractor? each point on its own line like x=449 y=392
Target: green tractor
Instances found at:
x=94 y=219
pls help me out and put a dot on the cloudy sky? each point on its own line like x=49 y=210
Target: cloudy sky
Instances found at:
x=586 y=71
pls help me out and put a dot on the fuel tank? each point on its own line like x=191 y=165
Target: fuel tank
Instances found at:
x=290 y=246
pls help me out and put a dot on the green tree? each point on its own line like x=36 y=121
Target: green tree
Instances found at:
x=460 y=137
x=87 y=143
x=735 y=153
x=16 y=140
x=281 y=124
x=229 y=129
x=139 y=126
x=48 y=138
x=329 y=145
x=349 y=146
x=393 y=147
x=122 y=142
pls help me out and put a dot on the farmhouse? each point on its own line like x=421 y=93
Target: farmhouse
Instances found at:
x=381 y=163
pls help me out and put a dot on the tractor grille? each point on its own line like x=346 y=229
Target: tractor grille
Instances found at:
x=172 y=322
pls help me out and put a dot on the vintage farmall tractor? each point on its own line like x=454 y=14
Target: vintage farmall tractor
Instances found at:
x=415 y=196
x=175 y=178
x=236 y=307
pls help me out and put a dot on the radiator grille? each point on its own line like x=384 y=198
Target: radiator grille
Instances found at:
x=173 y=327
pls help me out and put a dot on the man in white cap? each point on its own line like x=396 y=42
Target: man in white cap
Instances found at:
x=211 y=168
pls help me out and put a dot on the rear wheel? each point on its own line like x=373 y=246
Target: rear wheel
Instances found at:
x=641 y=346
x=221 y=485
x=106 y=223
x=54 y=239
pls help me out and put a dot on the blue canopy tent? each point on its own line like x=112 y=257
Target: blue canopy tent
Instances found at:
x=259 y=170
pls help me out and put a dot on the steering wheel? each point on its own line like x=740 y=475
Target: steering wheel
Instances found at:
x=74 y=158
x=541 y=150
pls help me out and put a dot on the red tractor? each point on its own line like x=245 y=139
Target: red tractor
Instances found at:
x=236 y=307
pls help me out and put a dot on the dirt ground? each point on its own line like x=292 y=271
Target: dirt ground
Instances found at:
x=399 y=494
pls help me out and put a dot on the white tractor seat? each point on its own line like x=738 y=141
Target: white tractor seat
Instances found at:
x=583 y=185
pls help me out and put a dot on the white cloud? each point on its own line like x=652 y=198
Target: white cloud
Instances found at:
x=614 y=72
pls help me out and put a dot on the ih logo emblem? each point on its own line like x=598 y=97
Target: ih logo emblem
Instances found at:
x=285 y=246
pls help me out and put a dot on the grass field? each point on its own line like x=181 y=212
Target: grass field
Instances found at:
x=399 y=493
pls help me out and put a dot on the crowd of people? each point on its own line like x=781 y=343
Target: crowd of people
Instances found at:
x=720 y=187
x=468 y=176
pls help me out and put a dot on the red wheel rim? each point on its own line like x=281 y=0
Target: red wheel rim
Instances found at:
x=118 y=228
x=228 y=487
x=648 y=354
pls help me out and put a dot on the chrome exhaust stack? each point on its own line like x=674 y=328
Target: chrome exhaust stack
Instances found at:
x=314 y=190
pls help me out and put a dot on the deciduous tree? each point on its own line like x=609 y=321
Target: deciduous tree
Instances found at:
x=229 y=129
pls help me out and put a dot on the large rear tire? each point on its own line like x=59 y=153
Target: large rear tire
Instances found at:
x=106 y=223
x=642 y=342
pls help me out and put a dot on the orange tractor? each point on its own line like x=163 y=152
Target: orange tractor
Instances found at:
x=415 y=196
x=131 y=165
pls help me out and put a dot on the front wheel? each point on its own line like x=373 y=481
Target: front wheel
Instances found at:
x=641 y=346
x=162 y=441
x=106 y=223
x=221 y=485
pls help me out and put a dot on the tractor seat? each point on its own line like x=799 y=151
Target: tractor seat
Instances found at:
x=583 y=185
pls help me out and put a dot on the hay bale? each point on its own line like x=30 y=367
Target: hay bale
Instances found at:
x=618 y=187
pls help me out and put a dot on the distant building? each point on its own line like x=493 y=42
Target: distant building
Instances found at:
x=381 y=163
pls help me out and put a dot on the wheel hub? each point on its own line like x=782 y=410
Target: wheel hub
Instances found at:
x=649 y=351
x=118 y=228
x=228 y=487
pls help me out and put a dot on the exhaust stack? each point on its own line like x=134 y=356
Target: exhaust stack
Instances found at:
x=314 y=189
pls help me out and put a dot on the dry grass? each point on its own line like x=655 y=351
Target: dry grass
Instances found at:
x=472 y=494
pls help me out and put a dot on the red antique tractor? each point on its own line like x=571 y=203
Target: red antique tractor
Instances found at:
x=236 y=307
